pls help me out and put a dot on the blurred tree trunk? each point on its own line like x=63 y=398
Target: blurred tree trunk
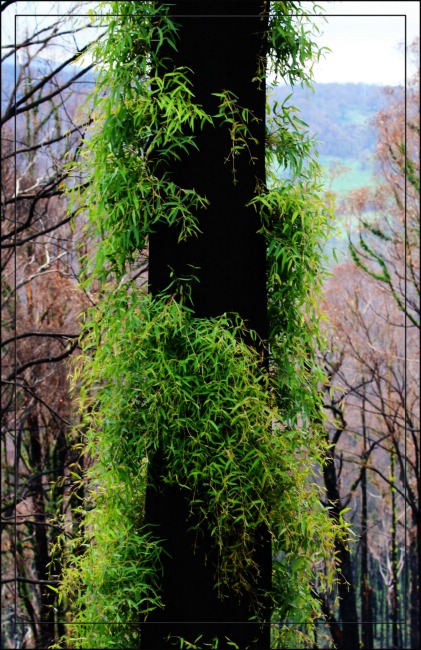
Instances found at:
x=414 y=546
x=41 y=542
x=346 y=584
x=394 y=613
x=366 y=589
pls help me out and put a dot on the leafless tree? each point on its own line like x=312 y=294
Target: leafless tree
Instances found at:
x=44 y=117
x=373 y=303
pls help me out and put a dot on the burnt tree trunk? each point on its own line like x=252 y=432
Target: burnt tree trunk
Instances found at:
x=41 y=550
x=221 y=43
x=394 y=613
x=414 y=599
x=346 y=584
x=367 y=629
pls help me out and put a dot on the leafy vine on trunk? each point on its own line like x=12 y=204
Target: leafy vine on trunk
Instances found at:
x=241 y=437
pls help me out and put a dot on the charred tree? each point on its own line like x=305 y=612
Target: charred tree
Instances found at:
x=367 y=630
x=221 y=43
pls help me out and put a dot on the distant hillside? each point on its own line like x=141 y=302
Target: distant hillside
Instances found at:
x=339 y=115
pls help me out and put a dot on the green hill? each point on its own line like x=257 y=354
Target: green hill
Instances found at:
x=340 y=116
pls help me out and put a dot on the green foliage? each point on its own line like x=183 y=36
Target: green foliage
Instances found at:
x=160 y=378
x=242 y=440
x=292 y=51
x=114 y=580
x=140 y=119
x=237 y=119
x=193 y=389
x=198 y=645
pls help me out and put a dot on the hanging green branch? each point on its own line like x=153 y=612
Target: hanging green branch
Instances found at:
x=237 y=119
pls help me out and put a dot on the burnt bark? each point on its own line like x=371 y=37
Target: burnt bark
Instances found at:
x=220 y=42
x=367 y=630
x=414 y=602
x=41 y=554
x=394 y=608
x=346 y=584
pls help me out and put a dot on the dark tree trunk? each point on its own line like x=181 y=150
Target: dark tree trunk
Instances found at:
x=414 y=561
x=366 y=589
x=59 y=459
x=414 y=602
x=394 y=610
x=382 y=613
x=375 y=599
x=221 y=46
x=346 y=586
x=41 y=550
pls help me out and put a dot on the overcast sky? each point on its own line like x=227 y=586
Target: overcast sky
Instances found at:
x=367 y=48
x=366 y=37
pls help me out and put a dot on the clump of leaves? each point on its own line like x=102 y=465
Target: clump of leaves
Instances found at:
x=153 y=377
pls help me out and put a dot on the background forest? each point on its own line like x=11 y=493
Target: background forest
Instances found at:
x=371 y=360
